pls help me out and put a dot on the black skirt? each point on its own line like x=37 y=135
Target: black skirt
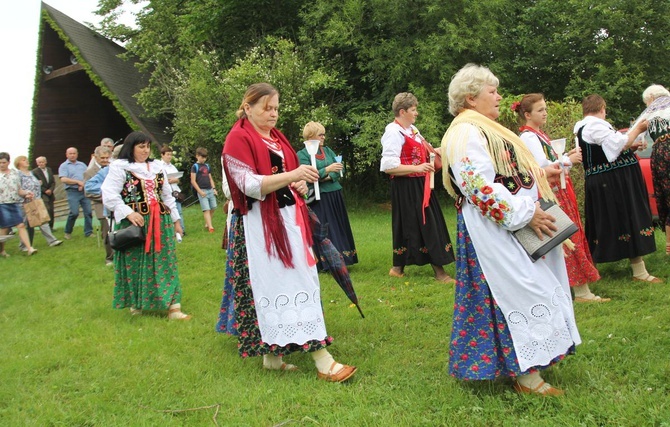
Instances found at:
x=332 y=211
x=618 y=220
x=416 y=242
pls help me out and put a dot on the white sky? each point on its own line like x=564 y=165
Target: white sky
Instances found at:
x=19 y=29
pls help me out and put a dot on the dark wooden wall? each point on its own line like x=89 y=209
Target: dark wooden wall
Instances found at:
x=71 y=110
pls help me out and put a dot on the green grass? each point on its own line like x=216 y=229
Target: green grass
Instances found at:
x=68 y=359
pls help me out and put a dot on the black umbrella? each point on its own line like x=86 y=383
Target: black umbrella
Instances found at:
x=332 y=259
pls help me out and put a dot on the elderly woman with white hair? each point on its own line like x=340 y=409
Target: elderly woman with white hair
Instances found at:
x=657 y=99
x=512 y=317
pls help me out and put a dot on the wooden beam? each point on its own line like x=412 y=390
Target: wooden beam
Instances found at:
x=63 y=71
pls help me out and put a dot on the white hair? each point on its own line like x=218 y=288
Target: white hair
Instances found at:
x=653 y=92
x=468 y=81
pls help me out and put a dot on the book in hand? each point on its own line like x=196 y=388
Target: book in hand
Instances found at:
x=537 y=248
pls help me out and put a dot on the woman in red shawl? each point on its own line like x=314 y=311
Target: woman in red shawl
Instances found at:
x=271 y=298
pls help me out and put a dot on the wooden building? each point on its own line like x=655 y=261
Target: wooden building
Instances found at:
x=84 y=91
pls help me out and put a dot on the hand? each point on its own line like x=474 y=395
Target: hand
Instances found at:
x=216 y=193
x=48 y=192
x=542 y=222
x=425 y=168
x=637 y=144
x=575 y=156
x=334 y=167
x=136 y=219
x=80 y=187
x=300 y=187
x=173 y=180
x=177 y=228
x=202 y=193
x=305 y=173
x=552 y=171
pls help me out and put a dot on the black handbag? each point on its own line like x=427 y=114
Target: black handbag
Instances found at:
x=179 y=196
x=125 y=238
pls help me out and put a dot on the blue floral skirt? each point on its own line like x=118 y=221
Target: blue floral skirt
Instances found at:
x=481 y=345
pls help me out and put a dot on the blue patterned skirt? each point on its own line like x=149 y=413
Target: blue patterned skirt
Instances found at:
x=481 y=345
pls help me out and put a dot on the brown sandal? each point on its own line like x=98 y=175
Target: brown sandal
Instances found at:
x=337 y=377
x=543 y=389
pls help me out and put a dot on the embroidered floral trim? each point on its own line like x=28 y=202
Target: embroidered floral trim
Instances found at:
x=481 y=195
x=647 y=231
x=624 y=237
x=399 y=251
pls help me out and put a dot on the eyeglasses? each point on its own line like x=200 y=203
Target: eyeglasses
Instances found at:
x=321 y=135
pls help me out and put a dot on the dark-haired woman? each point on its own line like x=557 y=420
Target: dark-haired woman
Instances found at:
x=532 y=112
x=137 y=192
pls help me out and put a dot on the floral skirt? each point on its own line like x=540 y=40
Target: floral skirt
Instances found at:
x=578 y=262
x=148 y=281
x=481 y=345
x=237 y=315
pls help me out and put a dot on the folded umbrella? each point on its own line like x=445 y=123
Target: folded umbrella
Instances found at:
x=332 y=259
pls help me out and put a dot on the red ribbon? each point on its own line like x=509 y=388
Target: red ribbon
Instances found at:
x=302 y=221
x=154 y=228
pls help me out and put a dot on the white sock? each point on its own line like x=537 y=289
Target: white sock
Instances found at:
x=639 y=270
x=583 y=291
x=324 y=361
x=532 y=381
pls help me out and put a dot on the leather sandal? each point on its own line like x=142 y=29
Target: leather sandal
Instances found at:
x=648 y=279
x=337 y=377
x=543 y=389
x=178 y=315
x=596 y=298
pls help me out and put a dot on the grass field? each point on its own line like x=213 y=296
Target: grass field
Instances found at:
x=68 y=359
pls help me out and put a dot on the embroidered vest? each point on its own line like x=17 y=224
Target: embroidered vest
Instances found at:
x=518 y=180
x=595 y=161
x=412 y=153
x=134 y=194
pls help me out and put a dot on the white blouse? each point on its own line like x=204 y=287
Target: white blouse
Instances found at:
x=599 y=132
x=113 y=185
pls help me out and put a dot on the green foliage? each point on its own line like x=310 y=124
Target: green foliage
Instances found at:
x=70 y=359
x=342 y=62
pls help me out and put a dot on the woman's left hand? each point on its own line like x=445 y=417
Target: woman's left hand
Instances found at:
x=300 y=187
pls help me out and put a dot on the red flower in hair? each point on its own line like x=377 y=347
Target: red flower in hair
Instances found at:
x=515 y=106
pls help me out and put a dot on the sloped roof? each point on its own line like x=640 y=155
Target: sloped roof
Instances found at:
x=117 y=78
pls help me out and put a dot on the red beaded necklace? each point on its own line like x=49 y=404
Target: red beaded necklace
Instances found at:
x=321 y=155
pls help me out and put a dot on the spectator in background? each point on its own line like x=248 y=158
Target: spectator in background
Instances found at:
x=101 y=159
x=166 y=162
x=105 y=142
x=11 y=197
x=32 y=185
x=48 y=185
x=71 y=173
x=203 y=184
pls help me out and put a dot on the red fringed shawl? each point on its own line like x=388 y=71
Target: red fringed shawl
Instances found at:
x=244 y=144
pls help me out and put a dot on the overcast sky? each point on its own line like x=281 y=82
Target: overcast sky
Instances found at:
x=19 y=29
